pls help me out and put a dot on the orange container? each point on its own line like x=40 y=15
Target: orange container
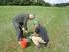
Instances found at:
x=24 y=43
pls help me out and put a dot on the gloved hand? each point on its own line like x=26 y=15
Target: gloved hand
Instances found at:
x=23 y=29
x=26 y=31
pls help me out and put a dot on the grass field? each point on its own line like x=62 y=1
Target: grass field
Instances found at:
x=54 y=19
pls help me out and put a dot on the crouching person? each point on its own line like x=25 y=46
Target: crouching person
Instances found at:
x=40 y=36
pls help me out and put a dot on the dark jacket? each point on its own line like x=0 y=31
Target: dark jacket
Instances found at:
x=42 y=33
x=22 y=20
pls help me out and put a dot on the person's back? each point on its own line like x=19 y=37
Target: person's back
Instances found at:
x=21 y=17
x=42 y=33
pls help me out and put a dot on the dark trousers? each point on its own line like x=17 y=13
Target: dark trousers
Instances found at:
x=19 y=30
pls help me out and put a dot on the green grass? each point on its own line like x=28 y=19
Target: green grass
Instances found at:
x=54 y=19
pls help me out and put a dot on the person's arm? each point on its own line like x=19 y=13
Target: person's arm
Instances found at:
x=36 y=33
x=24 y=26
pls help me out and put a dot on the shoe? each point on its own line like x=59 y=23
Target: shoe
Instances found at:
x=38 y=46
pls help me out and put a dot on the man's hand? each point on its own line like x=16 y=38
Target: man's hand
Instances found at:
x=23 y=29
x=26 y=31
x=35 y=34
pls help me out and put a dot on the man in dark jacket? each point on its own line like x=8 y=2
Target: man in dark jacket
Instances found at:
x=20 y=23
x=40 y=36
